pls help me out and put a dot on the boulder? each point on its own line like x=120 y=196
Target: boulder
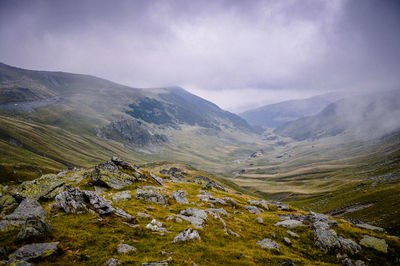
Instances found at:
x=101 y=205
x=144 y=215
x=71 y=200
x=159 y=180
x=259 y=220
x=375 y=243
x=180 y=196
x=195 y=216
x=46 y=187
x=109 y=175
x=32 y=251
x=208 y=183
x=292 y=234
x=121 y=196
x=125 y=248
x=155 y=225
x=287 y=241
x=27 y=208
x=33 y=227
x=289 y=223
x=113 y=262
x=7 y=202
x=186 y=235
x=268 y=244
x=253 y=209
x=280 y=205
x=151 y=195
x=363 y=225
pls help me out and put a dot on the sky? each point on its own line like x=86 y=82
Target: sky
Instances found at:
x=237 y=54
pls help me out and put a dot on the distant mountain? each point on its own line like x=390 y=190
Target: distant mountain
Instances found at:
x=275 y=115
x=370 y=115
x=40 y=108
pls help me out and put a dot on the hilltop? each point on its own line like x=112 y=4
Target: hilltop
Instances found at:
x=171 y=214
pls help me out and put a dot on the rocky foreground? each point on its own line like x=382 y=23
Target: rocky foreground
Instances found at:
x=116 y=213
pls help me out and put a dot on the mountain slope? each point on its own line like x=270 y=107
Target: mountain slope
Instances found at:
x=173 y=214
x=370 y=115
x=275 y=115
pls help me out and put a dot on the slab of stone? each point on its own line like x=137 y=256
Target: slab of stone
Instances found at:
x=375 y=243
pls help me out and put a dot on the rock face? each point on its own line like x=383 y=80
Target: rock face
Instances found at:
x=180 y=196
x=125 y=248
x=268 y=243
x=289 y=223
x=32 y=251
x=375 y=243
x=195 y=216
x=253 y=209
x=148 y=194
x=187 y=234
x=27 y=208
x=45 y=187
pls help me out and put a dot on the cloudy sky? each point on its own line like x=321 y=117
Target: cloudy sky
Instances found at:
x=238 y=54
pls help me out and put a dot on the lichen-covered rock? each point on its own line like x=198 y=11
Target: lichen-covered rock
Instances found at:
x=375 y=243
x=289 y=223
x=208 y=197
x=32 y=251
x=180 y=196
x=148 y=194
x=109 y=175
x=46 y=187
x=315 y=217
x=33 y=227
x=71 y=200
x=122 y=196
x=253 y=209
x=195 y=216
x=262 y=203
x=125 y=248
x=7 y=202
x=208 y=183
x=280 y=205
x=268 y=243
x=186 y=235
x=159 y=180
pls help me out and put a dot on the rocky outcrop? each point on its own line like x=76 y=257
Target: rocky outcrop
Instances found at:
x=261 y=203
x=33 y=251
x=180 y=196
x=253 y=209
x=33 y=227
x=268 y=244
x=158 y=179
x=208 y=197
x=122 y=196
x=155 y=225
x=7 y=202
x=113 y=262
x=280 y=205
x=109 y=174
x=186 y=235
x=149 y=194
x=289 y=223
x=375 y=243
x=71 y=200
x=208 y=183
x=361 y=224
x=125 y=248
x=45 y=188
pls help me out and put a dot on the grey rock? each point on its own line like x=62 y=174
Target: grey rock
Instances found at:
x=363 y=225
x=230 y=201
x=7 y=202
x=262 y=203
x=187 y=234
x=31 y=251
x=180 y=196
x=268 y=243
x=347 y=262
x=170 y=218
x=289 y=223
x=71 y=200
x=46 y=187
x=287 y=241
x=292 y=234
x=113 y=262
x=27 y=208
x=109 y=175
x=122 y=196
x=208 y=183
x=216 y=212
x=155 y=225
x=259 y=220
x=280 y=205
x=144 y=215
x=125 y=248
x=101 y=205
x=151 y=196
x=322 y=218
x=195 y=216
x=121 y=213
x=158 y=179
x=234 y=233
x=253 y=209
x=160 y=263
x=34 y=226
x=375 y=243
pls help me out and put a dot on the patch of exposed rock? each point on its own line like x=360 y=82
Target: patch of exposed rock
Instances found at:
x=208 y=183
x=253 y=209
x=33 y=251
x=122 y=196
x=186 y=235
x=125 y=248
x=180 y=196
x=261 y=203
x=268 y=244
x=45 y=188
x=149 y=194
x=375 y=243
x=195 y=216
x=155 y=225
x=289 y=223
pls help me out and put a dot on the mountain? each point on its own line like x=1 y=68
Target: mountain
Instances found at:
x=275 y=115
x=171 y=214
x=51 y=116
x=368 y=115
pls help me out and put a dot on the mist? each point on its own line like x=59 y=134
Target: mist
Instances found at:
x=238 y=54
